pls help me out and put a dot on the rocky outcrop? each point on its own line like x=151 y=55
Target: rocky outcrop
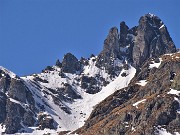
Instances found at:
x=124 y=30
x=91 y=84
x=175 y=82
x=152 y=40
x=45 y=121
x=58 y=63
x=111 y=51
x=70 y=92
x=70 y=64
x=5 y=80
x=115 y=50
x=140 y=109
x=17 y=90
x=16 y=103
x=149 y=39
x=14 y=117
x=19 y=110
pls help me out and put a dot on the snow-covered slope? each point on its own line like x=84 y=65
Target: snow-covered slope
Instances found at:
x=80 y=108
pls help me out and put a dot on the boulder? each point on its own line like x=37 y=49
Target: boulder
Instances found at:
x=45 y=121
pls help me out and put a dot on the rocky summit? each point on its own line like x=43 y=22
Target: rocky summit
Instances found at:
x=131 y=88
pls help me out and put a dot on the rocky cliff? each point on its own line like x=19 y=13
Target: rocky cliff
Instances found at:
x=149 y=39
x=148 y=106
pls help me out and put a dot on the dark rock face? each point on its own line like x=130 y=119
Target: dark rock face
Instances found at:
x=92 y=85
x=70 y=64
x=13 y=119
x=28 y=119
x=58 y=63
x=152 y=40
x=110 y=51
x=84 y=61
x=17 y=90
x=18 y=106
x=4 y=81
x=3 y=99
x=65 y=93
x=123 y=34
x=4 y=84
x=149 y=39
x=16 y=112
x=70 y=92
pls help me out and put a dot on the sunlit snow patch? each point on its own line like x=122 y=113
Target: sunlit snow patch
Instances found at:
x=2 y=128
x=176 y=99
x=142 y=82
x=163 y=131
x=137 y=103
x=162 y=26
x=174 y=92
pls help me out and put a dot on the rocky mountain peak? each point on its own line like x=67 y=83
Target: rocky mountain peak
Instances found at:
x=152 y=40
x=110 y=43
x=111 y=50
x=123 y=33
x=70 y=64
x=149 y=39
x=152 y=19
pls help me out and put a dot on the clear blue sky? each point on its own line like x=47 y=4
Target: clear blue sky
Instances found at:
x=35 y=33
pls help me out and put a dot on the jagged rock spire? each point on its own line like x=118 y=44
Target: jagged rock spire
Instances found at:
x=111 y=42
x=110 y=51
x=149 y=39
x=152 y=40
x=123 y=33
x=70 y=64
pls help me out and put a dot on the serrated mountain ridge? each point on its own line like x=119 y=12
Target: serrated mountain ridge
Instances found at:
x=82 y=93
